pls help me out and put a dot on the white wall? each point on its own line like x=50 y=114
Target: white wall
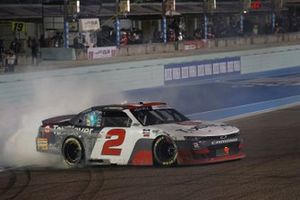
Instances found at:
x=137 y=74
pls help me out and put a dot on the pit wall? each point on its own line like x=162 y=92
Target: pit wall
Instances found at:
x=151 y=73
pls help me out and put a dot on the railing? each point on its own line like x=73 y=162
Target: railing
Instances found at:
x=235 y=42
x=159 y=48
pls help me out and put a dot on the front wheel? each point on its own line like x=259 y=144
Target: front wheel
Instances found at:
x=73 y=152
x=165 y=151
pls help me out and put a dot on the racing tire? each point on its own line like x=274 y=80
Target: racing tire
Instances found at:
x=73 y=152
x=164 y=152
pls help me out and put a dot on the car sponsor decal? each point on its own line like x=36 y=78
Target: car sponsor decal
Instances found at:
x=146 y=132
x=224 y=141
x=42 y=144
x=83 y=130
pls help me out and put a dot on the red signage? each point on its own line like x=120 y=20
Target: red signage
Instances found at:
x=256 y=5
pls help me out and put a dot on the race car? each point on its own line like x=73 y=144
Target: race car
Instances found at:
x=145 y=133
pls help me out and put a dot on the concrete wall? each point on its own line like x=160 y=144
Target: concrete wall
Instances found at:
x=272 y=60
x=139 y=74
x=58 y=54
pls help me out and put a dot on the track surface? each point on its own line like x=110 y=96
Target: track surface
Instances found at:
x=271 y=171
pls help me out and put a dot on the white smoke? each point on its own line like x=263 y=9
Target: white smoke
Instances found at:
x=51 y=97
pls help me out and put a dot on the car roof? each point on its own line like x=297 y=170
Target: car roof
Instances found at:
x=128 y=106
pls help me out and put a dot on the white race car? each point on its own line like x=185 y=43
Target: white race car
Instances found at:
x=137 y=134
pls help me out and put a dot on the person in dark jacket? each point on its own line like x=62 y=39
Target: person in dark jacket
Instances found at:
x=2 y=56
x=15 y=46
x=34 y=51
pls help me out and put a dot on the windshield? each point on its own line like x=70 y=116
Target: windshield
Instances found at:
x=148 y=116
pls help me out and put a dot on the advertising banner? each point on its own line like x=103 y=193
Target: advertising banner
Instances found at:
x=92 y=24
x=101 y=52
x=203 y=69
x=194 y=44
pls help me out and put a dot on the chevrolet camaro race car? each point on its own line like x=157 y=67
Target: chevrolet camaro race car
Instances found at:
x=137 y=134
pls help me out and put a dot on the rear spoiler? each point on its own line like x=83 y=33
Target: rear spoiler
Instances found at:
x=57 y=119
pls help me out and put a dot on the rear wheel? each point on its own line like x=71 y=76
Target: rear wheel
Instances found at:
x=73 y=152
x=165 y=151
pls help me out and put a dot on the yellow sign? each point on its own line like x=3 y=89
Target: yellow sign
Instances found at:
x=18 y=26
x=42 y=144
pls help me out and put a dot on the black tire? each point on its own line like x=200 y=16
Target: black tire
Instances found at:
x=73 y=152
x=164 y=151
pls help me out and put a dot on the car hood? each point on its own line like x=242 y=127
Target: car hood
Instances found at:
x=195 y=129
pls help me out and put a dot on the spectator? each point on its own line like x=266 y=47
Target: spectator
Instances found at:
x=2 y=53
x=34 y=51
x=28 y=47
x=278 y=29
x=28 y=42
x=15 y=46
x=76 y=42
x=58 y=40
x=255 y=29
x=42 y=41
x=10 y=61
x=198 y=34
x=157 y=35
x=124 y=39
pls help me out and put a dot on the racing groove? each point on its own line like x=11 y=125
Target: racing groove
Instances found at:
x=270 y=171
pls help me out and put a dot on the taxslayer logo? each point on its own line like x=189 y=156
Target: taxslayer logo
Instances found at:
x=58 y=129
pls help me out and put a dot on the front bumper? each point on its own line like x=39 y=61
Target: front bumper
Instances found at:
x=187 y=155
x=188 y=160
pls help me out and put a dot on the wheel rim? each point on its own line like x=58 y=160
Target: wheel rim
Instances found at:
x=73 y=152
x=165 y=151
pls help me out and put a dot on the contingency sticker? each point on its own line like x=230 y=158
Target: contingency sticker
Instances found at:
x=42 y=144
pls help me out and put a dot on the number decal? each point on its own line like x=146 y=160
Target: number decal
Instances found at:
x=18 y=27
x=109 y=144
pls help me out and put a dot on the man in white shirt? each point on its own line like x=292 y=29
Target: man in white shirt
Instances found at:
x=10 y=60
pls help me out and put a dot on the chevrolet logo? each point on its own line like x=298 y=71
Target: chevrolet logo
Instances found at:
x=223 y=137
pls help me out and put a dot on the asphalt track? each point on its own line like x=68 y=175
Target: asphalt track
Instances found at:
x=270 y=171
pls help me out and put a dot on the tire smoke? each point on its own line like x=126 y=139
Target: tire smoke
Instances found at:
x=20 y=120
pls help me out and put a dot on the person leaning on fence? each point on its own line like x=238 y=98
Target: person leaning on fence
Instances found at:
x=10 y=61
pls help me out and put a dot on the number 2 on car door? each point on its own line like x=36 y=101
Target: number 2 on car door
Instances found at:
x=110 y=146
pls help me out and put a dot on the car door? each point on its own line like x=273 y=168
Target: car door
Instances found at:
x=116 y=140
